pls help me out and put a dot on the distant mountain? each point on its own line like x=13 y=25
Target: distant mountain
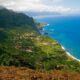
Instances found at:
x=9 y=18
x=42 y=13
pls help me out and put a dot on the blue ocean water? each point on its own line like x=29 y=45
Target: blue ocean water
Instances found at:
x=66 y=30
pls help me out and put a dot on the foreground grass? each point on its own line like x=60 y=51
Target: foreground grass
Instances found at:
x=13 y=73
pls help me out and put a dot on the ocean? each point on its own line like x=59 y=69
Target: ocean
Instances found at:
x=66 y=30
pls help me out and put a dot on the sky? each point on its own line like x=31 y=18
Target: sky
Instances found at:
x=61 y=6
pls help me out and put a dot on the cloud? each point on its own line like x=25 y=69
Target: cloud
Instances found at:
x=36 y=5
x=51 y=2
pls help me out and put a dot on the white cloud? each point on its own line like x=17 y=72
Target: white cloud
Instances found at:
x=36 y=5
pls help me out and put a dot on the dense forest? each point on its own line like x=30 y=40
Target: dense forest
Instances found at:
x=21 y=45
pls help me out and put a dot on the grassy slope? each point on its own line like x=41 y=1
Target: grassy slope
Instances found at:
x=22 y=46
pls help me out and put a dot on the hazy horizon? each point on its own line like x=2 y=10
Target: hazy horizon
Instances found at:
x=59 y=6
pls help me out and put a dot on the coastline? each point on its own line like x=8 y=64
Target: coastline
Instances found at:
x=41 y=30
x=71 y=56
x=74 y=58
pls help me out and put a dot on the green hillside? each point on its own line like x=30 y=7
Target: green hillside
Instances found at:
x=21 y=45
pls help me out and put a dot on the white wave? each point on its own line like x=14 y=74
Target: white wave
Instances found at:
x=70 y=54
x=48 y=24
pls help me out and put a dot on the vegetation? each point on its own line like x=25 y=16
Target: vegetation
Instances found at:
x=11 y=19
x=21 y=45
x=13 y=73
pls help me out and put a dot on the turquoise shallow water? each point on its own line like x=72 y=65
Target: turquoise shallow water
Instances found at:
x=66 y=30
